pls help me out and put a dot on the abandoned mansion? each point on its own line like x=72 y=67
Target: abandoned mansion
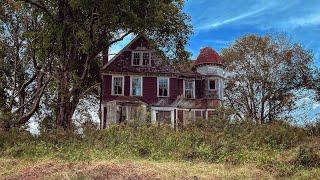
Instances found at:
x=138 y=85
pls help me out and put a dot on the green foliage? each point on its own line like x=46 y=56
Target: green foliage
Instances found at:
x=215 y=141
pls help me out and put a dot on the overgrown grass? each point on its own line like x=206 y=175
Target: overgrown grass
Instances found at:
x=279 y=148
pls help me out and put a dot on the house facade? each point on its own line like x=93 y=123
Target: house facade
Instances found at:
x=139 y=85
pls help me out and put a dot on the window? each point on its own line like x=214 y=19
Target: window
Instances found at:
x=136 y=86
x=136 y=58
x=145 y=59
x=189 y=89
x=117 y=85
x=163 y=87
x=212 y=84
x=141 y=58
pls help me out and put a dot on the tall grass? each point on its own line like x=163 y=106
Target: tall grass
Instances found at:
x=216 y=141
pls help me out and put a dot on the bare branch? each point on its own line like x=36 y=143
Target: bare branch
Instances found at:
x=27 y=116
x=92 y=56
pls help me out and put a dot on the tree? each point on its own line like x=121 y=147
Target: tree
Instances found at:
x=23 y=80
x=74 y=33
x=265 y=76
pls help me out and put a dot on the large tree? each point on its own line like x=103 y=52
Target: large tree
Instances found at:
x=22 y=78
x=265 y=75
x=75 y=32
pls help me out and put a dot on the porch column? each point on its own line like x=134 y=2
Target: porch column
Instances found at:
x=172 y=118
x=153 y=116
x=207 y=115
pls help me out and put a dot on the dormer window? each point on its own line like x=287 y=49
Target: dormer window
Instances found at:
x=140 y=58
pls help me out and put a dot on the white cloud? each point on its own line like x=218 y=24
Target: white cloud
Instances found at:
x=230 y=20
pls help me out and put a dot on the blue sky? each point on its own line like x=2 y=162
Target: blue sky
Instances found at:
x=218 y=23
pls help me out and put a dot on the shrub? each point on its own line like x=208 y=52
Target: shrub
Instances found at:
x=308 y=157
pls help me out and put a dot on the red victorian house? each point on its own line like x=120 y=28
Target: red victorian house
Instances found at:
x=139 y=85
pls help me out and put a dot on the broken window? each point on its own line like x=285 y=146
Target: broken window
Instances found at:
x=117 y=85
x=163 y=87
x=189 y=89
x=136 y=86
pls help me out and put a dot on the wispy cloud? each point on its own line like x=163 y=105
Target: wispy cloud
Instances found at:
x=230 y=20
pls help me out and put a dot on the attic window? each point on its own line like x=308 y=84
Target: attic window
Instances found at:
x=146 y=59
x=141 y=58
x=136 y=58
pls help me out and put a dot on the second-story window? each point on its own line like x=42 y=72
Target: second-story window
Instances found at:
x=136 y=58
x=189 y=89
x=145 y=59
x=163 y=87
x=117 y=85
x=136 y=86
x=212 y=84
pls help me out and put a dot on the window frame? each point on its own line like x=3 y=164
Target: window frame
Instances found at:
x=133 y=53
x=168 y=88
x=141 y=85
x=215 y=84
x=112 y=85
x=148 y=53
x=141 y=58
x=193 y=89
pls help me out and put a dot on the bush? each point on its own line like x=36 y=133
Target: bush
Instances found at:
x=308 y=157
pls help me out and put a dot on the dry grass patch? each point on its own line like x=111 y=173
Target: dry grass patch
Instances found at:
x=130 y=169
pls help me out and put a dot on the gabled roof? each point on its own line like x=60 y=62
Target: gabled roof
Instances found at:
x=208 y=56
x=123 y=49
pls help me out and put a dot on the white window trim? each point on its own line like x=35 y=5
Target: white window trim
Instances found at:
x=112 y=89
x=216 y=84
x=158 y=78
x=140 y=58
x=147 y=52
x=131 y=78
x=132 y=58
x=194 y=89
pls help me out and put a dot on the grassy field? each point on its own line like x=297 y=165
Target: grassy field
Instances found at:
x=216 y=150
x=138 y=169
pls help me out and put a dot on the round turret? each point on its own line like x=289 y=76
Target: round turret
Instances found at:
x=210 y=64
